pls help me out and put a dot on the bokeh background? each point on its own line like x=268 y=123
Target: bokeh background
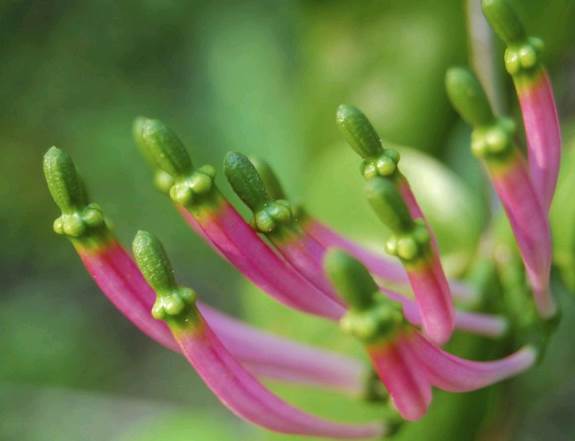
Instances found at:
x=263 y=78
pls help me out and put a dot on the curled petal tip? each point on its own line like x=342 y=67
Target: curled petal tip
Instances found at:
x=455 y=374
x=351 y=279
x=153 y=261
x=504 y=21
x=245 y=180
x=162 y=146
x=63 y=181
x=468 y=97
x=358 y=131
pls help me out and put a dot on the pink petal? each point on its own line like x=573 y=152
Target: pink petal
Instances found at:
x=306 y=254
x=454 y=374
x=543 y=136
x=377 y=264
x=272 y=356
x=417 y=213
x=120 y=280
x=429 y=283
x=410 y=200
x=280 y=358
x=530 y=227
x=434 y=302
x=408 y=388
x=487 y=325
x=240 y=392
x=237 y=241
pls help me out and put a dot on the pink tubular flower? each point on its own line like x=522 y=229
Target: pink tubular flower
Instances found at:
x=414 y=245
x=406 y=362
x=408 y=387
x=234 y=386
x=417 y=213
x=535 y=93
x=543 y=134
x=239 y=391
x=530 y=226
x=391 y=197
x=235 y=240
x=492 y=141
x=276 y=220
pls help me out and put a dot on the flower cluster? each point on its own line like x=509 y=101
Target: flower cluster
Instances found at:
x=306 y=265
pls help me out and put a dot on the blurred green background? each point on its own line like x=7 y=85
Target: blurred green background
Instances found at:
x=263 y=78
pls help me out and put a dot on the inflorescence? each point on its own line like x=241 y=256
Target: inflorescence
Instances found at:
x=306 y=265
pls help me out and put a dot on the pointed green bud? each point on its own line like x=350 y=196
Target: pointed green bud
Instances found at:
x=245 y=180
x=504 y=21
x=351 y=279
x=388 y=204
x=358 y=132
x=80 y=219
x=269 y=178
x=64 y=183
x=468 y=97
x=174 y=303
x=162 y=146
x=153 y=262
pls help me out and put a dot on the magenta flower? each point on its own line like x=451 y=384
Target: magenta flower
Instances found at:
x=493 y=143
x=535 y=93
x=413 y=242
x=407 y=362
x=236 y=388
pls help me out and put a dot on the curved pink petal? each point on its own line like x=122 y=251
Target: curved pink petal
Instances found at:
x=377 y=264
x=117 y=275
x=280 y=358
x=306 y=254
x=455 y=374
x=408 y=388
x=434 y=303
x=487 y=325
x=241 y=245
x=543 y=135
x=428 y=282
x=246 y=397
x=530 y=227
